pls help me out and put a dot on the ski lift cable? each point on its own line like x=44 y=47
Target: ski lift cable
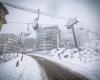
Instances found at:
x=31 y=23
x=33 y=10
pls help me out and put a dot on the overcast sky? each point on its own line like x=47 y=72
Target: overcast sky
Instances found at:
x=86 y=11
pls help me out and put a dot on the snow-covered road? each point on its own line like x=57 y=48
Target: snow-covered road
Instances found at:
x=54 y=71
x=30 y=69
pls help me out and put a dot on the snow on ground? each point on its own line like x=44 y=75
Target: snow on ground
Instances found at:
x=28 y=69
x=7 y=57
x=88 y=66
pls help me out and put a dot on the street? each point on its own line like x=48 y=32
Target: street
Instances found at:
x=56 y=72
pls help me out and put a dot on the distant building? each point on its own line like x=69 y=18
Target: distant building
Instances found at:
x=8 y=43
x=68 y=43
x=30 y=43
x=3 y=12
x=48 y=38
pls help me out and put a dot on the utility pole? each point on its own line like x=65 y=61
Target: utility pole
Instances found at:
x=19 y=45
x=57 y=40
x=19 y=42
x=34 y=47
x=38 y=15
x=44 y=39
x=20 y=39
x=28 y=31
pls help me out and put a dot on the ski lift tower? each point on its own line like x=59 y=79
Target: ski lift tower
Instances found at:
x=70 y=25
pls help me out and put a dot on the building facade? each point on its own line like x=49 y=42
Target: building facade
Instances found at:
x=48 y=38
x=8 y=43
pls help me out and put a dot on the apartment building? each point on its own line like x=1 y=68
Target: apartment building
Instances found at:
x=48 y=38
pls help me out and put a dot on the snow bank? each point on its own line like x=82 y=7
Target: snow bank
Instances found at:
x=28 y=69
x=7 y=57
